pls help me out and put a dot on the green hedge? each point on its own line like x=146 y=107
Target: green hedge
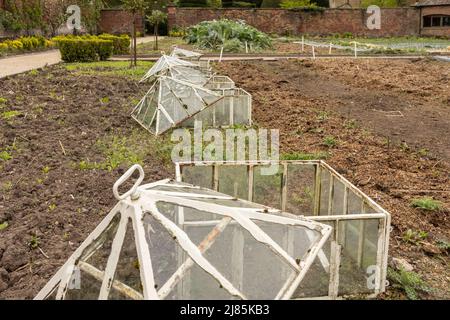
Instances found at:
x=84 y=50
x=25 y=44
x=192 y=3
x=121 y=43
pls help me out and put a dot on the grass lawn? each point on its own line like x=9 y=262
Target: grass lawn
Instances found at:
x=164 y=44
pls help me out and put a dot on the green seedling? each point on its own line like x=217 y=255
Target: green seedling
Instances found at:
x=330 y=141
x=8 y=115
x=427 y=203
x=5 y=155
x=408 y=281
x=34 y=242
x=414 y=237
x=3 y=225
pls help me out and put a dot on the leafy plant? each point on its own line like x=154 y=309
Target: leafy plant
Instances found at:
x=34 y=242
x=232 y=45
x=330 y=141
x=5 y=155
x=414 y=237
x=8 y=115
x=304 y=156
x=322 y=116
x=381 y=3
x=423 y=152
x=293 y=4
x=216 y=33
x=104 y=100
x=117 y=151
x=408 y=281
x=7 y=186
x=52 y=207
x=3 y=225
x=46 y=169
x=350 y=124
x=427 y=203
x=25 y=15
x=177 y=32
x=443 y=245
x=192 y=3
x=25 y=44
x=404 y=147
x=7 y=21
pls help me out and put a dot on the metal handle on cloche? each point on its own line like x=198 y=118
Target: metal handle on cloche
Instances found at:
x=133 y=191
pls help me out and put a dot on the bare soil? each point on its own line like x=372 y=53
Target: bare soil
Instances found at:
x=43 y=193
x=51 y=205
x=391 y=123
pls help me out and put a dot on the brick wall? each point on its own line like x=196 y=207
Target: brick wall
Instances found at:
x=433 y=31
x=394 y=22
x=117 y=21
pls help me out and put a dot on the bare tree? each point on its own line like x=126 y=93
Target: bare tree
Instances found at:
x=54 y=14
x=135 y=7
x=155 y=19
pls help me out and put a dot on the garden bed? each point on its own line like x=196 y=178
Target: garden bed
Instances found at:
x=287 y=46
x=65 y=138
x=344 y=111
x=66 y=135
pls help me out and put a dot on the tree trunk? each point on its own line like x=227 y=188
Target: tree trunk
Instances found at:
x=134 y=40
x=155 y=31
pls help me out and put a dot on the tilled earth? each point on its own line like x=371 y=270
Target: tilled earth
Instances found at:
x=391 y=123
x=49 y=203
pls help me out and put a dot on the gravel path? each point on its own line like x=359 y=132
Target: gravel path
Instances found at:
x=26 y=62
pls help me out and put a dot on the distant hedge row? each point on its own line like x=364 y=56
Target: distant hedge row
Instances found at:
x=25 y=44
x=88 y=48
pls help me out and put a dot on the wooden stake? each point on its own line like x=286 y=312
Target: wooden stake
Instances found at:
x=221 y=53
x=62 y=147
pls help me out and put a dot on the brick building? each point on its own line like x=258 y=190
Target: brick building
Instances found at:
x=434 y=17
x=119 y=21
